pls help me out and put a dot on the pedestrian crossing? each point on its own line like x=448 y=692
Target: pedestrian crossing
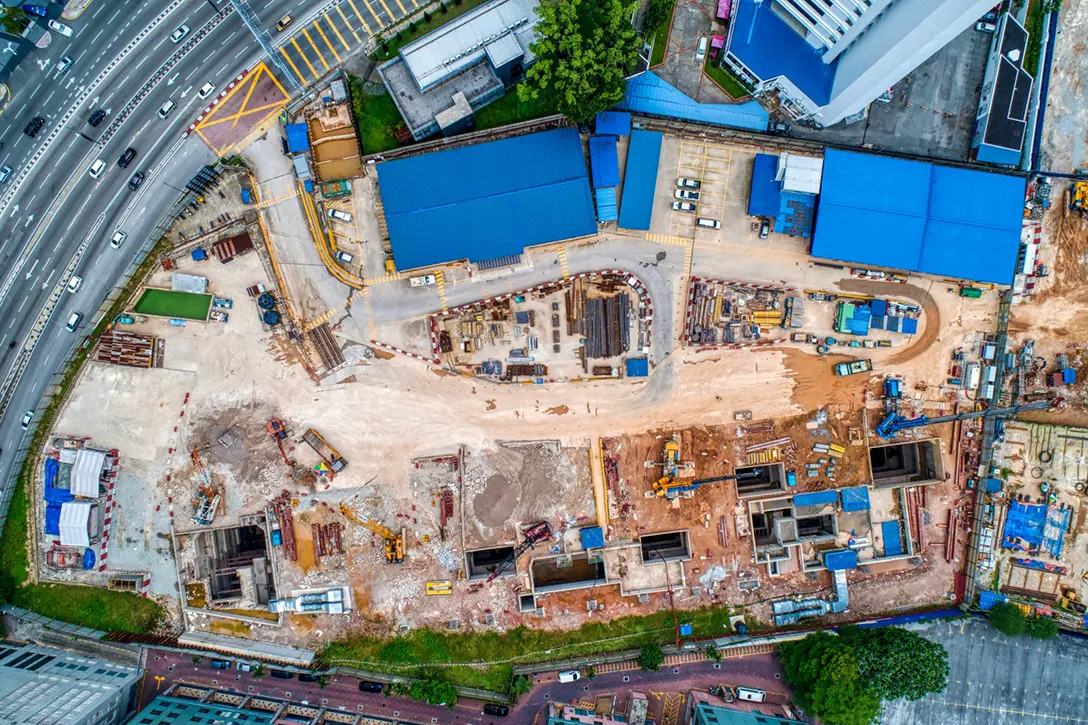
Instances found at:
x=317 y=47
x=687 y=658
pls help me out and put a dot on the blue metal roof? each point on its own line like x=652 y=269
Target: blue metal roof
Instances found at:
x=893 y=543
x=297 y=140
x=769 y=47
x=838 y=560
x=988 y=154
x=637 y=367
x=816 y=498
x=488 y=200
x=592 y=537
x=606 y=204
x=603 y=161
x=616 y=123
x=855 y=498
x=795 y=213
x=650 y=95
x=919 y=217
x=639 y=179
x=765 y=194
x=908 y=326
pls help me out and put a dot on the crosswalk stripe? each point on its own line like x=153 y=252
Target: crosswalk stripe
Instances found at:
x=314 y=45
x=337 y=31
x=304 y=58
x=293 y=66
x=360 y=16
x=326 y=39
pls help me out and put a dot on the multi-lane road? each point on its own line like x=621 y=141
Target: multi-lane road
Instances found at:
x=51 y=208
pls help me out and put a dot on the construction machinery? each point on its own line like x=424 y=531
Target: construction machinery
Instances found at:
x=278 y=432
x=534 y=535
x=207 y=500
x=671 y=467
x=394 y=543
x=1078 y=198
x=894 y=422
x=329 y=455
x=673 y=489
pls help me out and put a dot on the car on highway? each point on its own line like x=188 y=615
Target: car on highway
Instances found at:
x=496 y=710
x=206 y=90
x=164 y=109
x=684 y=183
x=60 y=28
x=95 y=172
x=341 y=215
x=683 y=206
x=38 y=10
x=126 y=158
x=63 y=65
x=686 y=195
x=569 y=676
x=27 y=417
x=73 y=321
x=97 y=117
x=5 y=173
x=284 y=22
x=34 y=126
x=136 y=180
x=179 y=35
x=74 y=283
x=118 y=239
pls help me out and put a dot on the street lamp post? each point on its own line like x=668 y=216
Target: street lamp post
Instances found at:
x=250 y=19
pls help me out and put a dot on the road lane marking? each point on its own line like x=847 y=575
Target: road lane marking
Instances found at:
x=305 y=59
x=316 y=50
x=326 y=39
x=388 y=12
x=402 y=10
x=336 y=30
x=95 y=38
x=348 y=23
x=293 y=66
x=371 y=9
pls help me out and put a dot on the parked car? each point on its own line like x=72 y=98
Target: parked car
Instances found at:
x=206 y=90
x=221 y=664
x=990 y=17
x=708 y=223
x=5 y=173
x=34 y=126
x=74 y=283
x=284 y=22
x=60 y=28
x=307 y=677
x=97 y=117
x=126 y=158
x=686 y=195
x=985 y=27
x=27 y=417
x=38 y=10
x=136 y=180
x=496 y=710
x=684 y=183
x=282 y=674
x=63 y=65
x=764 y=228
x=345 y=257
x=569 y=675
x=179 y=34
x=341 y=215
x=700 y=51
x=683 y=206
x=780 y=127
x=365 y=686
x=118 y=239
x=244 y=667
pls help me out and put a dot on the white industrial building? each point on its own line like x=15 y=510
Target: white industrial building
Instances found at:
x=826 y=60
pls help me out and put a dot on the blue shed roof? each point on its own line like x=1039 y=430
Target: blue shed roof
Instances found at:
x=650 y=95
x=616 y=123
x=838 y=560
x=488 y=200
x=606 y=204
x=637 y=367
x=908 y=326
x=919 y=217
x=855 y=498
x=603 y=161
x=893 y=543
x=297 y=140
x=988 y=154
x=765 y=194
x=639 y=179
x=816 y=498
x=768 y=47
x=592 y=537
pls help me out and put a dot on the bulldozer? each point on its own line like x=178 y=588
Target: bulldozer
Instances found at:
x=394 y=543
x=1078 y=198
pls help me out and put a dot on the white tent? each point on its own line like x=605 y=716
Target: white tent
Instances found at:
x=75 y=519
x=86 y=471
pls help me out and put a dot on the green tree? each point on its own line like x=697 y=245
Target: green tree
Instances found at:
x=433 y=692
x=657 y=14
x=322 y=681
x=823 y=671
x=197 y=659
x=584 y=50
x=591 y=672
x=1008 y=619
x=521 y=685
x=897 y=663
x=713 y=653
x=651 y=657
x=1042 y=627
x=258 y=671
x=14 y=20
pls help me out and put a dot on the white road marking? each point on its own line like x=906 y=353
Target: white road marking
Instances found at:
x=25 y=300
x=114 y=16
x=96 y=37
x=220 y=71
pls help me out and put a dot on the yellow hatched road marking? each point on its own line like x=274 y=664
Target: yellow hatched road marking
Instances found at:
x=402 y=10
x=293 y=66
x=388 y=13
x=314 y=45
x=348 y=23
x=337 y=31
x=304 y=58
x=563 y=262
x=326 y=39
x=360 y=16
x=441 y=281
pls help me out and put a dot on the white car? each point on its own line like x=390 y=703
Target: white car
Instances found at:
x=683 y=206
x=74 y=283
x=686 y=195
x=60 y=28
x=27 y=417
x=341 y=215
x=985 y=27
x=63 y=65
x=700 y=52
x=569 y=675
x=206 y=90
x=178 y=35
x=685 y=183
x=118 y=239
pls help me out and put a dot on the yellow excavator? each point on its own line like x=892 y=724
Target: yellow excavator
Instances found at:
x=394 y=543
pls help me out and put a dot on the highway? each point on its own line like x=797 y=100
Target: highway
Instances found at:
x=51 y=207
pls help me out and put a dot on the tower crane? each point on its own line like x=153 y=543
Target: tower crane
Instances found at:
x=394 y=543
x=670 y=489
x=894 y=422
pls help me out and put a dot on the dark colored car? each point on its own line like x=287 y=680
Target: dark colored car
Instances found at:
x=34 y=126
x=221 y=664
x=97 y=117
x=136 y=180
x=307 y=677
x=496 y=710
x=281 y=674
x=127 y=157
x=35 y=10
x=365 y=686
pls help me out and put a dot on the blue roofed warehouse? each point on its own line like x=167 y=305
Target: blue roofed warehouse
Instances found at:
x=486 y=201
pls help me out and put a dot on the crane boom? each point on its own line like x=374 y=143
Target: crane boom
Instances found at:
x=894 y=422
x=394 y=543
x=670 y=489
x=533 y=536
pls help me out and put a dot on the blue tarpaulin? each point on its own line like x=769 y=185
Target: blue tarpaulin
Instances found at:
x=893 y=543
x=640 y=180
x=88 y=559
x=877 y=322
x=765 y=194
x=1057 y=523
x=795 y=212
x=603 y=161
x=855 y=498
x=52 y=519
x=653 y=96
x=637 y=367
x=685 y=630
x=987 y=600
x=53 y=494
x=1024 y=525
x=993 y=485
x=617 y=123
x=592 y=537
x=297 y=140
x=816 y=498
x=838 y=560
x=878 y=307
x=1069 y=376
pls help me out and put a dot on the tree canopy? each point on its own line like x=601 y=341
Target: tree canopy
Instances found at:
x=651 y=657
x=433 y=692
x=584 y=51
x=897 y=663
x=1042 y=627
x=1008 y=619
x=823 y=671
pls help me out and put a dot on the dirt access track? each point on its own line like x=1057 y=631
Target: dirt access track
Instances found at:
x=931 y=313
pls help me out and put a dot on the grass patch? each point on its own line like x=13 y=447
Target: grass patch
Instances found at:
x=376 y=116
x=511 y=109
x=661 y=40
x=170 y=303
x=724 y=78
x=1034 y=25
x=87 y=606
x=422 y=26
x=406 y=655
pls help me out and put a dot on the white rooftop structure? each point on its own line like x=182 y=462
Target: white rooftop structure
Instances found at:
x=86 y=471
x=181 y=282
x=501 y=29
x=75 y=520
x=801 y=174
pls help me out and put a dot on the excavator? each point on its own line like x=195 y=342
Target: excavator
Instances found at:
x=278 y=432
x=667 y=488
x=394 y=543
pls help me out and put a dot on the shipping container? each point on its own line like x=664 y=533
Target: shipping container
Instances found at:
x=989 y=373
x=971 y=292
x=987 y=392
x=988 y=352
x=973 y=375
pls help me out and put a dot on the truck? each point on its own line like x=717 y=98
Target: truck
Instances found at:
x=803 y=337
x=423 y=280
x=328 y=454
x=970 y=292
x=853 y=367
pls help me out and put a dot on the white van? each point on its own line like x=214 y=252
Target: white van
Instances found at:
x=164 y=109
x=73 y=321
x=345 y=257
x=96 y=169
x=341 y=215
x=708 y=223
x=700 y=53
x=751 y=694
x=569 y=675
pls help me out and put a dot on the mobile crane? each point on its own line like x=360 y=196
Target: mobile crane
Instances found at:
x=669 y=489
x=894 y=422
x=533 y=536
x=394 y=543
